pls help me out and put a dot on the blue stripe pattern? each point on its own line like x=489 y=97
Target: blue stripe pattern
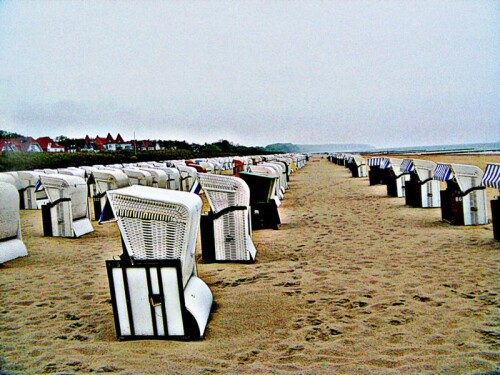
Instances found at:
x=491 y=176
x=196 y=187
x=386 y=164
x=374 y=162
x=442 y=172
x=407 y=166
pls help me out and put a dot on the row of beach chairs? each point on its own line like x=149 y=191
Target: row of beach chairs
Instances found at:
x=462 y=202
x=154 y=285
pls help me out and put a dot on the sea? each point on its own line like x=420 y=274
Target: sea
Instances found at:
x=467 y=148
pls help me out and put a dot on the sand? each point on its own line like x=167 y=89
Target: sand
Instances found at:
x=352 y=282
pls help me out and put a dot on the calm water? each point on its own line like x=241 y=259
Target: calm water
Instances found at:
x=461 y=148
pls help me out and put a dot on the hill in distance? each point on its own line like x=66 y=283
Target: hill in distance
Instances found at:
x=331 y=147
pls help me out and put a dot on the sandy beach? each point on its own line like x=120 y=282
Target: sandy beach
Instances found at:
x=353 y=282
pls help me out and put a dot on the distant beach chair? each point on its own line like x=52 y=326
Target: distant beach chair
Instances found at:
x=464 y=200
x=11 y=244
x=155 y=290
x=264 y=209
x=421 y=190
x=159 y=177
x=491 y=179
x=138 y=176
x=226 y=230
x=105 y=180
x=395 y=180
x=72 y=171
x=67 y=212
x=357 y=166
x=377 y=175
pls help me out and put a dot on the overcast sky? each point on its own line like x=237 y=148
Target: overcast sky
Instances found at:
x=386 y=73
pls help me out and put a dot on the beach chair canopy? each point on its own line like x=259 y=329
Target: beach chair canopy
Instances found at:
x=392 y=163
x=29 y=178
x=72 y=171
x=188 y=176
x=376 y=162
x=7 y=178
x=423 y=168
x=466 y=176
x=106 y=179
x=491 y=176
x=159 y=177
x=17 y=180
x=224 y=191
x=158 y=223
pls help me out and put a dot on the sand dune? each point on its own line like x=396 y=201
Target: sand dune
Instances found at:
x=352 y=282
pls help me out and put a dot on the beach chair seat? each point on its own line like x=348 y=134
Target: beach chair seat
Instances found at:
x=226 y=230
x=377 y=175
x=421 y=189
x=395 y=180
x=67 y=213
x=264 y=209
x=463 y=202
x=11 y=244
x=357 y=166
x=155 y=289
x=491 y=179
x=104 y=181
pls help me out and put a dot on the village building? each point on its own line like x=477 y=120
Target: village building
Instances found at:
x=49 y=145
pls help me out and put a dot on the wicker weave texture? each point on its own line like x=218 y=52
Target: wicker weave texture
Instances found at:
x=231 y=236
x=9 y=211
x=224 y=191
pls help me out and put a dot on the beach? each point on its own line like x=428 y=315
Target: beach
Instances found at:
x=353 y=282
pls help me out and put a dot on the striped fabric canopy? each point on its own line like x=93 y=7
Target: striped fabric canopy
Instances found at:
x=375 y=162
x=443 y=172
x=407 y=166
x=491 y=176
x=385 y=164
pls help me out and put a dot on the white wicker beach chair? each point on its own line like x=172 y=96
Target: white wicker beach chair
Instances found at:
x=159 y=177
x=464 y=200
x=277 y=194
x=73 y=171
x=226 y=231
x=11 y=244
x=155 y=289
x=138 y=176
x=67 y=213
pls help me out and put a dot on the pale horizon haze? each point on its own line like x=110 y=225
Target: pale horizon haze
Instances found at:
x=384 y=73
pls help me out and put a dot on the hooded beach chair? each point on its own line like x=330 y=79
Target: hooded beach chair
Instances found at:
x=11 y=244
x=66 y=214
x=226 y=231
x=491 y=179
x=159 y=177
x=277 y=194
x=105 y=180
x=73 y=171
x=377 y=175
x=357 y=166
x=155 y=290
x=464 y=200
x=421 y=190
x=138 y=176
x=33 y=196
x=395 y=179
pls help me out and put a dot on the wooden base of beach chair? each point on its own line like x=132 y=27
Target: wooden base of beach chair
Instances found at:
x=149 y=301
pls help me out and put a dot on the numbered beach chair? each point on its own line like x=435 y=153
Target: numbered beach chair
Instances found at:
x=421 y=190
x=377 y=175
x=11 y=244
x=226 y=234
x=105 y=180
x=464 y=200
x=155 y=290
x=491 y=179
x=395 y=180
x=67 y=212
